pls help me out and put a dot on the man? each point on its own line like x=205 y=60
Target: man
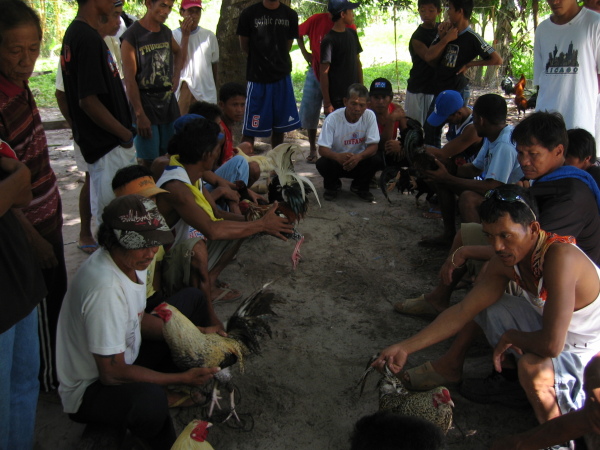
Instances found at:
x=391 y=118
x=315 y=27
x=267 y=30
x=543 y=339
x=348 y=144
x=567 y=63
x=190 y=209
x=581 y=152
x=199 y=77
x=108 y=30
x=96 y=101
x=453 y=52
x=152 y=62
x=340 y=56
x=232 y=101
x=496 y=163
x=103 y=325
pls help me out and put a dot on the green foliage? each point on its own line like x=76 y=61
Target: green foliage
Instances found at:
x=43 y=87
x=522 y=59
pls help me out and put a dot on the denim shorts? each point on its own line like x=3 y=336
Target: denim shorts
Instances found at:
x=155 y=146
x=312 y=101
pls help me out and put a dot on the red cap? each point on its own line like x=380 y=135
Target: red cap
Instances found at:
x=187 y=4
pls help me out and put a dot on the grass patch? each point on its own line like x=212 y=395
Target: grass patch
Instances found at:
x=43 y=87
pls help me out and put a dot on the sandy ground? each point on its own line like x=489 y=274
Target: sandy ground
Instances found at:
x=357 y=260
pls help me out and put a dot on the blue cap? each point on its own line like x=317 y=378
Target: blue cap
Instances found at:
x=184 y=120
x=446 y=104
x=337 y=6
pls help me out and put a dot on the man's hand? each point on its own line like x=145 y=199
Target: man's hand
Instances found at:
x=144 y=127
x=439 y=176
x=352 y=161
x=448 y=268
x=308 y=58
x=199 y=376
x=394 y=357
x=186 y=26
x=327 y=108
x=451 y=35
x=229 y=192
x=275 y=225
x=504 y=344
x=394 y=147
x=215 y=328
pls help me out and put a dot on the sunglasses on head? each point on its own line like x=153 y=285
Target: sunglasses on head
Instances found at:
x=509 y=197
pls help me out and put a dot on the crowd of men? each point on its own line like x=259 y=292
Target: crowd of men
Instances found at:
x=152 y=128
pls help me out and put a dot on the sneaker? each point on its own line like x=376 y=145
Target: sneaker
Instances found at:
x=329 y=195
x=495 y=388
x=365 y=195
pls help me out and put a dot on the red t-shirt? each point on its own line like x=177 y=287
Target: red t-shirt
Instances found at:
x=391 y=109
x=227 y=152
x=316 y=27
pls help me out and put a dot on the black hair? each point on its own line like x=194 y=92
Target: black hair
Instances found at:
x=581 y=144
x=436 y=3
x=493 y=207
x=106 y=237
x=385 y=430
x=194 y=141
x=209 y=111
x=16 y=13
x=491 y=107
x=465 y=5
x=129 y=173
x=337 y=16
x=358 y=90
x=230 y=90
x=548 y=130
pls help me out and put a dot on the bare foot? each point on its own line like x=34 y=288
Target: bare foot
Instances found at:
x=87 y=244
x=449 y=371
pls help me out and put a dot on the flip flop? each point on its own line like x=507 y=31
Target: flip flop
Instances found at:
x=432 y=214
x=221 y=284
x=228 y=295
x=88 y=249
x=416 y=307
x=312 y=159
x=424 y=378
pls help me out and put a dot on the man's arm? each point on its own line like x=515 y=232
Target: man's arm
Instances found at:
x=215 y=72
x=457 y=145
x=307 y=56
x=143 y=125
x=324 y=76
x=359 y=68
x=61 y=100
x=463 y=181
x=436 y=50
x=180 y=50
x=421 y=50
x=16 y=187
x=102 y=117
x=494 y=60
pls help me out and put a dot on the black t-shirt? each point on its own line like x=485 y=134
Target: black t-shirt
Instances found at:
x=154 y=76
x=420 y=80
x=21 y=277
x=89 y=69
x=594 y=171
x=568 y=208
x=465 y=48
x=341 y=50
x=268 y=31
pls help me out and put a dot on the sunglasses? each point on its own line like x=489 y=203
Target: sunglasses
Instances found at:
x=509 y=198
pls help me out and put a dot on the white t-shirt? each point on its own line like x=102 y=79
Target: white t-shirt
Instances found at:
x=203 y=52
x=101 y=313
x=566 y=67
x=342 y=136
x=498 y=160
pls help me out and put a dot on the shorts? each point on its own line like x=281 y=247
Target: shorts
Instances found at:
x=312 y=101
x=517 y=313
x=472 y=234
x=155 y=146
x=234 y=169
x=417 y=105
x=270 y=108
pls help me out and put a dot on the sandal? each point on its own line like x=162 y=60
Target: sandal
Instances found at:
x=424 y=378
x=312 y=159
x=432 y=214
x=88 y=249
x=228 y=295
x=416 y=307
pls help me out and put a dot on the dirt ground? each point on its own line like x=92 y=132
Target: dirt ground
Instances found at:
x=357 y=260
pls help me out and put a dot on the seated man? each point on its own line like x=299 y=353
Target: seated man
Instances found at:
x=190 y=209
x=543 y=339
x=101 y=326
x=581 y=152
x=496 y=164
x=348 y=144
x=565 y=196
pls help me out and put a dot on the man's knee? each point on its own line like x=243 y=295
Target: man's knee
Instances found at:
x=199 y=256
x=535 y=372
x=468 y=201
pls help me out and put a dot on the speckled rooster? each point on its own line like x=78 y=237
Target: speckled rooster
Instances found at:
x=191 y=348
x=434 y=405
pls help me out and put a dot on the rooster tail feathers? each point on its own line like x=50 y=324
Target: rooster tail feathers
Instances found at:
x=282 y=159
x=368 y=371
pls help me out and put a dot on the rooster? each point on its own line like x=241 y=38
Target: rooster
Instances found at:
x=434 y=405
x=193 y=437
x=191 y=348
x=508 y=85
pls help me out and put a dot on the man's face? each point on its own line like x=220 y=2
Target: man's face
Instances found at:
x=233 y=108
x=380 y=103
x=355 y=108
x=455 y=119
x=348 y=17
x=112 y=25
x=594 y=5
x=561 y=7
x=159 y=10
x=454 y=16
x=195 y=12
x=511 y=241
x=429 y=13
x=537 y=161
x=19 y=50
x=137 y=259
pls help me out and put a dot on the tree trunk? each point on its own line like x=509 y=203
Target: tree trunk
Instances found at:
x=232 y=61
x=502 y=40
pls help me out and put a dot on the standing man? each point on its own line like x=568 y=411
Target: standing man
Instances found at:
x=267 y=30
x=96 y=101
x=567 y=63
x=199 y=77
x=152 y=62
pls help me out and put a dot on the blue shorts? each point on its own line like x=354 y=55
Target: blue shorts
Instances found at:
x=270 y=107
x=312 y=101
x=151 y=148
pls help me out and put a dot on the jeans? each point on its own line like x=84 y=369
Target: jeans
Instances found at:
x=19 y=385
x=234 y=169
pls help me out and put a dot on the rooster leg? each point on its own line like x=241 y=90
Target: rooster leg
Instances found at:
x=214 y=399
x=232 y=406
x=296 y=257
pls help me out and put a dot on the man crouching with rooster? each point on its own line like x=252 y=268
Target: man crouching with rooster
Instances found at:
x=543 y=339
x=102 y=326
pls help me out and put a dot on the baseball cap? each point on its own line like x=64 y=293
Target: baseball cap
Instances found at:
x=446 y=104
x=136 y=222
x=187 y=4
x=184 y=120
x=143 y=186
x=337 y=6
x=381 y=86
